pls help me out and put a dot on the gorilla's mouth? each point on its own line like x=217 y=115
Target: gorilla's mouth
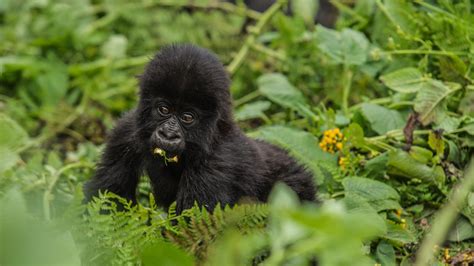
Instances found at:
x=168 y=157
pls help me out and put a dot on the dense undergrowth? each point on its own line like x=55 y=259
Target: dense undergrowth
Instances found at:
x=380 y=109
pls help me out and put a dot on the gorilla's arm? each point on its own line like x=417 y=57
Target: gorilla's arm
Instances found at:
x=120 y=166
x=205 y=186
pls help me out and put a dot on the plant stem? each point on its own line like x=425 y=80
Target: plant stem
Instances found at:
x=397 y=134
x=346 y=89
x=48 y=192
x=247 y=98
x=251 y=38
x=348 y=10
x=267 y=51
x=380 y=101
x=432 y=52
x=445 y=218
x=76 y=70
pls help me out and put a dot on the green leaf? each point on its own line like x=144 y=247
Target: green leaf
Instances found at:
x=436 y=142
x=355 y=135
x=428 y=102
x=9 y=159
x=278 y=89
x=376 y=167
x=252 y=110
x=166 y=254
x=401 y=13
x=381 y=119
x=357 y=204
x=468 y=210
x=421 y=154
x=385 y=254
x=402 y=164
x=379 y=195
x=446 y=122
x=305 y=9
x=115 y=47
x=52 y=84
x=12 y=135
x=348 y=47
x=30 y=240
x=330 y=229
x=302 y=145
x=398 y=235
x=405 y=80
x=466 y=106
x=461 y=230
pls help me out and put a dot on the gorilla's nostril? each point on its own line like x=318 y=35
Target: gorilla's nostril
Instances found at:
x=168 y=134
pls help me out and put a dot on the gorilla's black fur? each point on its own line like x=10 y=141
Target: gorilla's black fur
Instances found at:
x=185 y=109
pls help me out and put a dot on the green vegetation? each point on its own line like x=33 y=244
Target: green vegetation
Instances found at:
x=381 y=109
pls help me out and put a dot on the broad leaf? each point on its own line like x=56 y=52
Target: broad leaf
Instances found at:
x=466 y=106
x=468 y=210
x=398 y=235
x=376 y=167
x=405 y=80
x=385 y=254
x=429 y=99
x=357 y=204
x=278 y=89
x=381 y=119
x=300 y=144
x=348 y=47
x=252 y=110
x=401 y=14
x=461 y=230
x=379 y=195
x=400 y=163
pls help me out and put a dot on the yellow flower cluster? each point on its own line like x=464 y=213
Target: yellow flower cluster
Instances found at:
x=332 y=140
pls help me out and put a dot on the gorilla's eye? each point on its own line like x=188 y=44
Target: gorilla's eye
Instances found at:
x=187 y=118
x=164 y=110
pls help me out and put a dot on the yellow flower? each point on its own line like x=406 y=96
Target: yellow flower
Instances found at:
x=446 y=254
x=332 y=140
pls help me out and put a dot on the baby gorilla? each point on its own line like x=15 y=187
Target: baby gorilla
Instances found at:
x=183 y=136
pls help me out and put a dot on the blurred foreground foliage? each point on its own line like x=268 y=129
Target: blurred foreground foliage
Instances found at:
x=381 y=109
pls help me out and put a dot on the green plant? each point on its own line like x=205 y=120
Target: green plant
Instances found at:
x=395 y=78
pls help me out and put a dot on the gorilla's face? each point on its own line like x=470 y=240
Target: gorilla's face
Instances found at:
x=178 y=125
x=169 y=134
x=184 y=103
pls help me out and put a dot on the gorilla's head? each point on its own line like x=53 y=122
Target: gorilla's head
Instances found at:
x=185 y=103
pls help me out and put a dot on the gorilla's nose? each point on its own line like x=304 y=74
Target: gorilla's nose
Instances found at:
x=169 y=135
